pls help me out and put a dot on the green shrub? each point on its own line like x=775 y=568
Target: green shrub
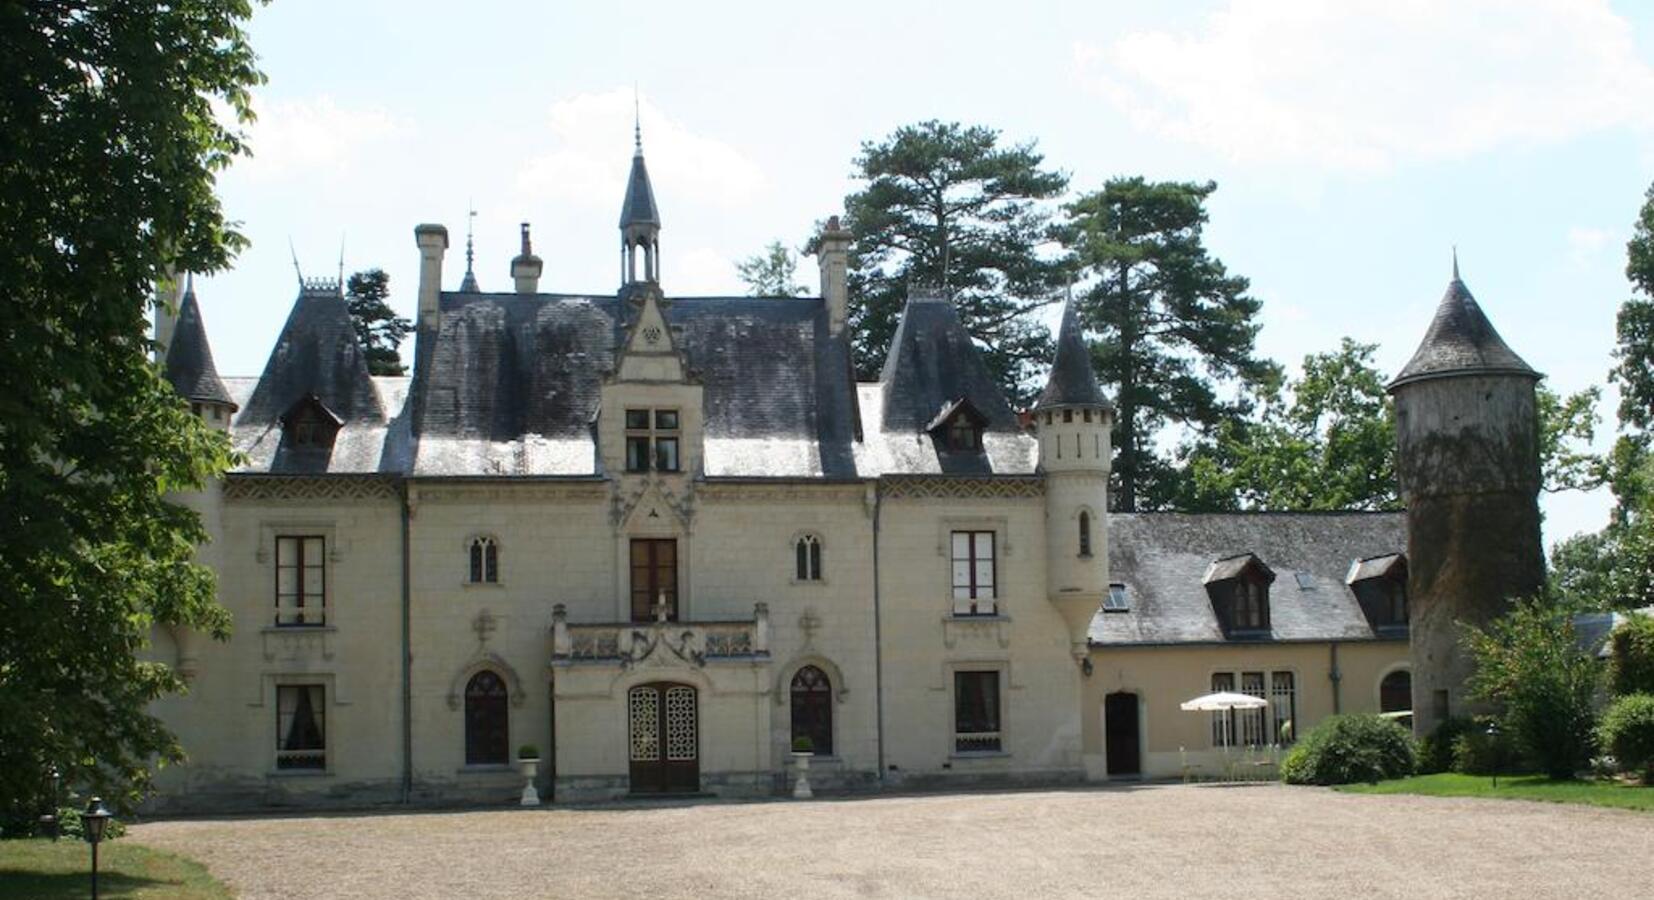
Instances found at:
x=1436 y=748
x=1348 y=749
x=1631 y=668
x=528 y=751
x=1475 y=752
x=68 y=825
x=1627 y=731
x=803 y=744
x=1528 y=663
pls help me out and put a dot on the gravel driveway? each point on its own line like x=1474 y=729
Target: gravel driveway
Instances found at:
x=1150 y=841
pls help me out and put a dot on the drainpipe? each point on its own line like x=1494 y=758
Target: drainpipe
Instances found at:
x=407 y=657
x=1335 y=677
x=878 y=640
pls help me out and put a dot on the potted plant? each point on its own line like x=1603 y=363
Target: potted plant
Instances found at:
x=803 y=750
x=528 y=760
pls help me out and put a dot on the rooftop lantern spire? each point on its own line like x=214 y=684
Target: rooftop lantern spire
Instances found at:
x=639 y=218
x=468 y=285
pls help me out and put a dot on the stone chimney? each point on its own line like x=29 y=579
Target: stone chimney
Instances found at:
x=833 y=254
x=525 y=269
x=433 y=243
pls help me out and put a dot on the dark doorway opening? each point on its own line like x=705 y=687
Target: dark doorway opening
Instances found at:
x=1120 y=734
x=664 y=738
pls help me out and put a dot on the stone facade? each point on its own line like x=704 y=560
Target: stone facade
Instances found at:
x=662 y=538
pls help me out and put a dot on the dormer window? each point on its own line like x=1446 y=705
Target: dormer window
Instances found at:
x=652 y=437
x=1117 y=599
x=1380 y=585
x=309 y=424
x=1239 y=590
x=958 y=427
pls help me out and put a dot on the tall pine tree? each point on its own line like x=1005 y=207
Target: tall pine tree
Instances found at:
x=378 y=328
x=1172 y=325
x=949 y=206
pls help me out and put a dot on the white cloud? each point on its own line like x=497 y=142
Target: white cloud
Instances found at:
x=1361 y=85
x=589 y=159
x=701 y=271
x=313 y=136
x=1585 y=245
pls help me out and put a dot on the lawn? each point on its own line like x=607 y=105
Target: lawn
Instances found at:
x=1516 y=787
x=43 y=869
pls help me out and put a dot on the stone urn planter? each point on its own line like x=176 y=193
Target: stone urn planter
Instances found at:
x=528 y=762
x=803 y=752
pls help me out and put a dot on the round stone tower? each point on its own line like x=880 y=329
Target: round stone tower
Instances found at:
x=1072 y=418
x=1467 y=435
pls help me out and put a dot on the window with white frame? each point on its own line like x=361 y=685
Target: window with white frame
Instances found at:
x=807 y=558
x=652 y=440
x=976 y=712
x=1275 y=724
x=301 y=726
x=1254 y=730
x=1283 y=705
x=301 y=580
x=974 y=565
x=485 y=560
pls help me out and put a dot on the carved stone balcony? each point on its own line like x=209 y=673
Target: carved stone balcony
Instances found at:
x=628 y=644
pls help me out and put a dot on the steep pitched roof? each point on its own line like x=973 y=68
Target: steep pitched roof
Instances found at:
x=189 y=363
x=933 y=362
x=316 y=354
x=1461 y=341
x=1163 y=558
x=1072 y=381
x=639 y=207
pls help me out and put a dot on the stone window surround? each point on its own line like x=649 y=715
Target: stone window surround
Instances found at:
x=792 y=558
x=331 y=703
x=1003 y=552
x=1234 y=671
x=1003 y=668
x=499 y=555
x=265 y=555
x=1095 y=529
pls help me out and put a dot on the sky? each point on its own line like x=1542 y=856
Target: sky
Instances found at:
x=1355 y=143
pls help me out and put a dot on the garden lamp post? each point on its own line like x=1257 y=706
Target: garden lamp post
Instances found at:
x=1498 y=756
x=94 y=821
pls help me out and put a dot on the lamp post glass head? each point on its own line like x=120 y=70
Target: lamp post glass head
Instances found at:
x=94 y=820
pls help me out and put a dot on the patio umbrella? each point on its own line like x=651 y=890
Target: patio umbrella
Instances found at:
x=1223 y=701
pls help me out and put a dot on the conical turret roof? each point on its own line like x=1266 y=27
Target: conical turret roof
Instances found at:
x=639 y=208
x=1461 y=341
x=189 y=362
x=1072 y=381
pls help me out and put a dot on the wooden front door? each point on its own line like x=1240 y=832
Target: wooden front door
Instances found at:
x=654 y=578
x=1120 y=728
x=664 y=724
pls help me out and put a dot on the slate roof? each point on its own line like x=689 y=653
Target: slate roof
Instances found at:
x=189 y=363
x=639 y=206
x=1461 y=341
x=1072 y=382
x=1162 y=558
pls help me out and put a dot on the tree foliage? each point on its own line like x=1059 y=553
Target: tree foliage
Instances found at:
x=1631 y=663
x=109 y=146
x=1350 y=749
x=1529 y=665
x=771 y=273
x=947 y=205
x=379 y=330
x=1172 y=324
x=1627 y=733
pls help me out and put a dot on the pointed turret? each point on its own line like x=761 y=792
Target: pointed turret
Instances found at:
x=1461 y=341
x=189 y=362
x=468 y=284
x=639 y=223
x=1072 y=381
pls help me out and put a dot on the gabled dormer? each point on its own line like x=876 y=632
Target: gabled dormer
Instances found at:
x=1380 y=585
x=309 y=425
x=958 y=427
x=1238 y=587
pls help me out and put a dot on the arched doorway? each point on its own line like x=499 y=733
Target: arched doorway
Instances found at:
x=812 y=709
x=1120 y=736
x=1395 y=692
x=487 y=723
x=663 y=738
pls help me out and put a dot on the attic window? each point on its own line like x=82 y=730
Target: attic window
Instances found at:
x=1117 y=599
x=958 y=427
x=309 y=424
x=962 y=435
x=1238 y=587
x=1305 y=582
x=1380 y=585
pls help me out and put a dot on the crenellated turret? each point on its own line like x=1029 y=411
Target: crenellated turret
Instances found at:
x=1072 y=418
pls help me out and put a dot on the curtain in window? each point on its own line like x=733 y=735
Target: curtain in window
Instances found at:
x=301 y=739
x=976 y=711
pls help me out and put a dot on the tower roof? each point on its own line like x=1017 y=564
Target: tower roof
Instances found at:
x=317 y=354
x=1072 y=381
x=189 y=363
x=639 y=208
x=1461 y=341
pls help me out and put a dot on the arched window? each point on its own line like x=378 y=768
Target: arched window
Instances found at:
x=812 y=702
x=807 y=558
x=485 y=561
x=487 y=726
x=1085 y=534
x=1395 y=692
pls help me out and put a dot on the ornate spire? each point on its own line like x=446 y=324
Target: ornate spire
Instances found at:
x=468 y=285
x=639 y=220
